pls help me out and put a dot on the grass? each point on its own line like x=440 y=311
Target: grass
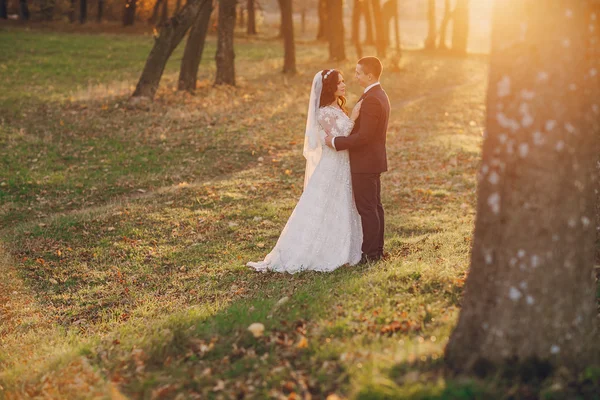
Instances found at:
x=124 y=231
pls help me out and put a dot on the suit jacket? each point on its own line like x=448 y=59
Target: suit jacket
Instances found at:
x=366 y=142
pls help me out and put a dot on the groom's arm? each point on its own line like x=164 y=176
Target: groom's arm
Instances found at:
x=370 y=113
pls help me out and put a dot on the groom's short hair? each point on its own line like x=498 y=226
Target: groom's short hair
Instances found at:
x=371 y=65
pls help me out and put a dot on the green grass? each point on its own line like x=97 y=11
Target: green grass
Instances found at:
x=125 y=231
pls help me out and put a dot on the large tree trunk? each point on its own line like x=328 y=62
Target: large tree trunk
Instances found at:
x=23 y=10
x=194 y=47
x=381 y=31
x=82 y=11
x=129 y=12
x=169 y=37
x=530 y=293
x=460 y=27
x=432 y=32
x=323 y=31
x=251 y=17
x=357 y=12
x=444 y=25
x=287 y=26
x=177 y=6
x=100 y=11
x=335 y=22
x=225 y=56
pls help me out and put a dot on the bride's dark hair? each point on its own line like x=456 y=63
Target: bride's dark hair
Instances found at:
x=330 y=84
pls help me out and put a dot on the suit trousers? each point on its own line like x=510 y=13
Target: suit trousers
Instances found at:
x=367 y=196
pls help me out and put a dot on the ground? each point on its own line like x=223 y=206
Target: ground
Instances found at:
x=124 y=229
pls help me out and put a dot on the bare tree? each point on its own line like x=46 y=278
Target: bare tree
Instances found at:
x=335 y=23
x=3 y=12
x=23 y=10
x=444 y=25
x=322 y=33
x=82 y=11
x=530 y=292
x=164 y=14
x=129 y=12
x=368 y=15
x=169 y=37
x=389 y=12
x=381 y=31
x=287 y=28
x=225 y=56
x=154 y=17
x=194 y=47
x=357 y=12
x=432 y=33
x=72 y=12
x=100 y=11
x=460 y=27
x=251 y=17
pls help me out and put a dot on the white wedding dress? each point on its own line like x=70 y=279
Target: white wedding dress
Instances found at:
x=324 y=231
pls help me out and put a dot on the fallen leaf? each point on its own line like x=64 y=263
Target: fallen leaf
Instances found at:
x=257 y=329
x=303 y=343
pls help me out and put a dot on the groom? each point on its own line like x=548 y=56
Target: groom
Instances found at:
x=366 y=144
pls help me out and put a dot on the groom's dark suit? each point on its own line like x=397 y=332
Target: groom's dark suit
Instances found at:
x=366 y=144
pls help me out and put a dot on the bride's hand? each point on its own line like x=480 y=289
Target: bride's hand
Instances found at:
x=356 y=111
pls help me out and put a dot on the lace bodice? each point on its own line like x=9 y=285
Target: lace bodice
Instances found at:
x=334 y=121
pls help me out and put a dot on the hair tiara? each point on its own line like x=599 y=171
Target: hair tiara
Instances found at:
x=327 y=74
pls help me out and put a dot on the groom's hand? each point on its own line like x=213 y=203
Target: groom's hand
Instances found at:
x=328 y=139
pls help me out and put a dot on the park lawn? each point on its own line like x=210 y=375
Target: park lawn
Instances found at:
x=125 y=229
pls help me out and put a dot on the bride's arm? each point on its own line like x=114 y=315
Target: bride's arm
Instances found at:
x=335 y=123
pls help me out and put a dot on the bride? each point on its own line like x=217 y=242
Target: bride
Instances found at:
x=324 y=231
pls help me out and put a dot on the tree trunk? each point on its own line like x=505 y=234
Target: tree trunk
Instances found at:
x=100 y=11
x=322 y=33
x=530 y=293
x=251 y=17
x=303 y=20
x=287 y=25
x=82 y=11
x=72 y=13
x=240 y=19
x=23 y=10
x=444 y=25
x=177 y=6
x=460 y=27
x=225 y=56
x=169 y=37
x=368 y=14
x=164 y=15
x=129 y=12
x=432 y=33
x=3 y=11
x=154 y=17
x=390 y=12
x=381 y=31
x=194 y=47
x=335 y=23
x=357 y=12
